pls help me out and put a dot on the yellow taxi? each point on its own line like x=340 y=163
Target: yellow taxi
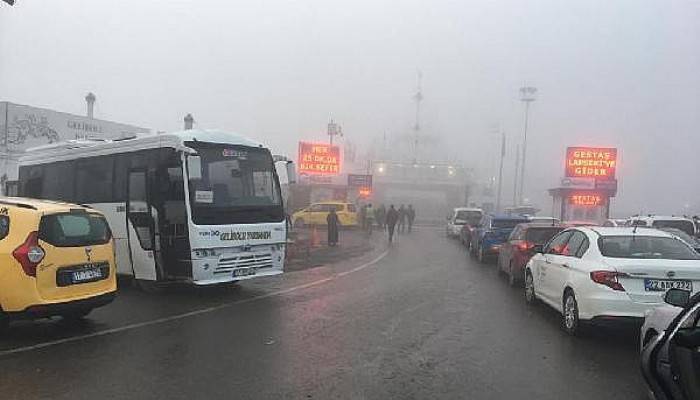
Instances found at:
x=316 y=214
x=56 y=258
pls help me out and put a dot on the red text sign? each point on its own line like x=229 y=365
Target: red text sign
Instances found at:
x=586 y=199
x=319 y=159
x=591 y=162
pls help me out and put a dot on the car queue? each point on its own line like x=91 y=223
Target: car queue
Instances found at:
x=643 y=269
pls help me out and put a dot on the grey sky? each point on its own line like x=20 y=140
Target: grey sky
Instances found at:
x=618 y=73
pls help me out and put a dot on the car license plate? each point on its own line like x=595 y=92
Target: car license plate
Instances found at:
x=86 y=275
x=662 y=285
x=243 y=272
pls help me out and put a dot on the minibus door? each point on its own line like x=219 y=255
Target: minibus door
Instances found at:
x=144 y=246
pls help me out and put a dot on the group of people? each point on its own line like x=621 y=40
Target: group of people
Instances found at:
x=387 y=218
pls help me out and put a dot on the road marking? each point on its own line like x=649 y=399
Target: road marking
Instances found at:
x=190 y=313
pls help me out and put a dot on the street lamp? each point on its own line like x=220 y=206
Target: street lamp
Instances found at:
x=527 y=96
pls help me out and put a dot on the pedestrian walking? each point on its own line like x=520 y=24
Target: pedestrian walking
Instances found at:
x=392 y=216
x=380 y=216
x=369 y=219
x=402 y=219
x=411 y=214
x=363 y=217
x=333 y=222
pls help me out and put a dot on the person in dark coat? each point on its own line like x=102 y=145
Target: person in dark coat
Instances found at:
x=392 y=216
x=402 y=219
x=333 y=222
x=380 y=216
x=411 y=214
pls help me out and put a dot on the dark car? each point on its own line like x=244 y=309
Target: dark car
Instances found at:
x=520 y=247
x=671 y=359
x=491 y=233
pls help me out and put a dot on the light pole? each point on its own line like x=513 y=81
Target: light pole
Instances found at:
x=334 y=130
x=500 y=172
x=527 y=96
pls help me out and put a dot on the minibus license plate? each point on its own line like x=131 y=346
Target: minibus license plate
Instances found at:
x=243 y=272
x=87 y=275
x=662 y=285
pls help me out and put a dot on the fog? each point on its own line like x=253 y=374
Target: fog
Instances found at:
x=622 y=74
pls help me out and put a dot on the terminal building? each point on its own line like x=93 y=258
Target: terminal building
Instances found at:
x=23 y=127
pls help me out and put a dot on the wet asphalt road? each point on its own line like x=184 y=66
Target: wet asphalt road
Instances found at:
x=423 y=322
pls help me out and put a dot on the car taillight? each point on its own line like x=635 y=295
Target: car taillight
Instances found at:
x=29 y=254
x=524 y=245
x=609 y=279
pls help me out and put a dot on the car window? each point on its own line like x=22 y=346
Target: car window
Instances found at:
x=583 y=249
x=576 y=240
x=337 y=207
x=316 y=208
x=646 y=247
x=556 y=245
x=351 y=208
x=515 y=234
x=683 y=225
x=541 y=235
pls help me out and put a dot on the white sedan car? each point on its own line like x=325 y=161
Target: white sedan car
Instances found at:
x=592 y=274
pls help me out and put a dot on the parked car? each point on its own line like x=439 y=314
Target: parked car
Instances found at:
x=592 y=274
x=544 y=220
x=57 y=259
x=691 y=240
x=520 y=247
x=670 y=352
x=659 y=221
x=316 y=214
x=614 y=222
x=460 y=217
x=490 y=233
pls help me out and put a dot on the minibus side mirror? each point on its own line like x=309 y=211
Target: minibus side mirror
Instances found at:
x=291 y=172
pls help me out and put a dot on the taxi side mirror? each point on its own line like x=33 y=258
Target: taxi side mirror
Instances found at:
x=538 y=248
x=677 y=297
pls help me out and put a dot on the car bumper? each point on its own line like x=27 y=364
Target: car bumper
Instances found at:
x=613 y=306
x=48 y=310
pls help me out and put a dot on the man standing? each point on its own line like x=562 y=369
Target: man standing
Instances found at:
x=411 y=217
x=402 y=219
x=363 y=216
x=333 y=222
x=392 y=216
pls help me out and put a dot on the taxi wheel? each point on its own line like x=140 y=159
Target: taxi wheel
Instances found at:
x=4 y=322
x=76 y=315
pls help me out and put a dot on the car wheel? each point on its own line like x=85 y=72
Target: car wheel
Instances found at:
x=512 y=280
x=570 y=320
x=299 y=223
x=530 y=296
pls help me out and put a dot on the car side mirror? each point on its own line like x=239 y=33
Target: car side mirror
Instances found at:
x=538 y=248
x=677 y=297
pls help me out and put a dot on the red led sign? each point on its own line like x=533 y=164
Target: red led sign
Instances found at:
x=591 y=162
x=587 y=200
x=319 y=159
